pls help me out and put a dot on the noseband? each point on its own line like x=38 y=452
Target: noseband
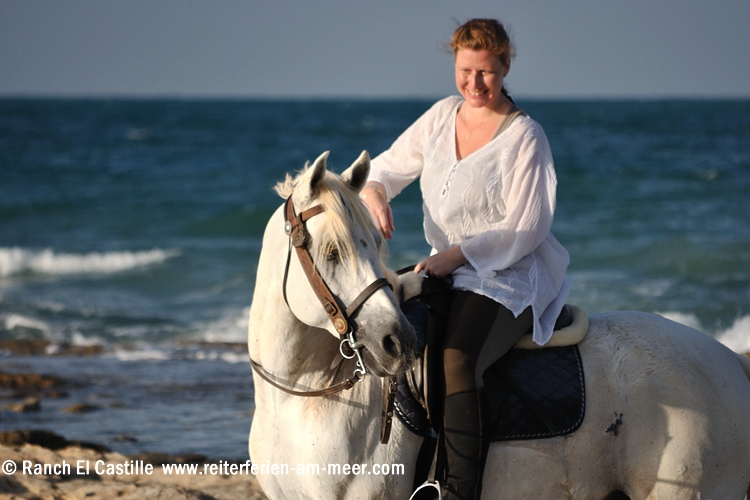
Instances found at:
x=299 y=237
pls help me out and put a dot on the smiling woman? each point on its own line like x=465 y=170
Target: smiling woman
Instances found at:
x=489 y=186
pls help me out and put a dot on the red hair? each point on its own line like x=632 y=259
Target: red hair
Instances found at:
x=484 y=34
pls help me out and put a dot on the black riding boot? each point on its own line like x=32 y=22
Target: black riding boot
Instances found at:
x=463 y=446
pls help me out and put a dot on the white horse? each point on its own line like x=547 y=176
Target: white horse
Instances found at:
x=668 y=408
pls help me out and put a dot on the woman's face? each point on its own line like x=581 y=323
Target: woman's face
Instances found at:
x=479 y=77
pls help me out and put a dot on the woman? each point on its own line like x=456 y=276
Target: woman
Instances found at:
x=488 y=185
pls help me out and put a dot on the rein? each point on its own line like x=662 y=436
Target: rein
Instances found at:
x=299 y=237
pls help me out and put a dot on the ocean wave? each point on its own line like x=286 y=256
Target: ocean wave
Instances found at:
x=150 y=352
x=736 y=337
x=144 y=352
x=231 y=327
x=12 y=321
x=15 y=261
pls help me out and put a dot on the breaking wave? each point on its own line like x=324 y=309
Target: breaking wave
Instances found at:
x=736 y=337
x=15 y=261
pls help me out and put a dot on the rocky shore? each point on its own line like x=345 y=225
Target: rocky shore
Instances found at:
x=43 y=465
x=40 y=465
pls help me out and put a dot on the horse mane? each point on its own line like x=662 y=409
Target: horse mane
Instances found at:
x=345 y=211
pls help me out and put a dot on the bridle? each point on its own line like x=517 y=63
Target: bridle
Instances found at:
x=299 y=237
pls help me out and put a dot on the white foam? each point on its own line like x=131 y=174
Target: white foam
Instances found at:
x=230 y=327
x=142 y=353
x=736 y=337
x=18 y=321
x=15 y=260
x=80 y=340
x=226 y=356
x=687 y=319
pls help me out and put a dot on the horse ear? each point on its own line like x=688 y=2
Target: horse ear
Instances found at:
x=306 y=187
x=356 y=175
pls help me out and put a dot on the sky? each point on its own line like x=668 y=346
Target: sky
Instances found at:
x=368 y=49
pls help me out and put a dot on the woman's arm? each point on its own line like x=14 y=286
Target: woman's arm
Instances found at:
x=395 y=168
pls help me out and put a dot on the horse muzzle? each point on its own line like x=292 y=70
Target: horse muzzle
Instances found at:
x=389 y=346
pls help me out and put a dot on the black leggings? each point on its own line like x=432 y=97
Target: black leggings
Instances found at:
x=470 y=321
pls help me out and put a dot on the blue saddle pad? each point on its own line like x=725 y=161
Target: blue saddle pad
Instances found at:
x=528 y=394
x=534 y=394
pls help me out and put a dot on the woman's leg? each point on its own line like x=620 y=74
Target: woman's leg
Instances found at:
x=470 y=322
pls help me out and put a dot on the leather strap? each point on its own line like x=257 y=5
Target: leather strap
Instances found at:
x=295 y=228
x=365 y=294
x=390 y=388
x=343 y=386
x=509 y=118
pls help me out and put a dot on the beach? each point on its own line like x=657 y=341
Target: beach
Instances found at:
x=77 y=472
x=47 y=465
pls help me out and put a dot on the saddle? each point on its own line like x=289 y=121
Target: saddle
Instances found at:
x=529 y=393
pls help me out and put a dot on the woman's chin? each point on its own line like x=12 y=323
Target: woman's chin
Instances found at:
x=476 y=101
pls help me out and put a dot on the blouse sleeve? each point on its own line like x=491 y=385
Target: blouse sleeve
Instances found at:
x=403 y=162
x=529 y=185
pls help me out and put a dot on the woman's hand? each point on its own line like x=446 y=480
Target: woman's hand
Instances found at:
x=443 y=263
x=373 y=194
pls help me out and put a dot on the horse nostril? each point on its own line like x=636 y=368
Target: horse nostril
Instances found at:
x=392 y=345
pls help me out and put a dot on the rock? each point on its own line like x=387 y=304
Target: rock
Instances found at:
x=80 y=408
x=136 y=486
x=29 y=405
x=24 y=347
x=28 y=381
x=31 y=347
x=124 y=438
x=45 y=439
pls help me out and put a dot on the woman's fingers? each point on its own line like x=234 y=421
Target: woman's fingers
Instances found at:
x=381 y=213
x=386 y=226
x=443 y=263
x=419 y=267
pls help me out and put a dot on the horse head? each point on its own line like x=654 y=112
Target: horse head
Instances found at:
x=345 y=249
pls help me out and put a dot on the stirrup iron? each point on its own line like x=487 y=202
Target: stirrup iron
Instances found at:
x=423 y=489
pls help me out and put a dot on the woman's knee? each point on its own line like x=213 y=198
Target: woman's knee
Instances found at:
x=457 y=362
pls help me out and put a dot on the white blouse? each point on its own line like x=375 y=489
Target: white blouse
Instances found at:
x=497 y=203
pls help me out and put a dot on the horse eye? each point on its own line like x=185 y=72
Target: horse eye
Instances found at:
x=332 y=254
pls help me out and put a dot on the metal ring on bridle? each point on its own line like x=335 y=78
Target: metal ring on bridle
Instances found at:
x=350 y=343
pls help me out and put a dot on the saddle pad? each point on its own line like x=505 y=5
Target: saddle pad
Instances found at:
x=535 y=394
x=528 y=394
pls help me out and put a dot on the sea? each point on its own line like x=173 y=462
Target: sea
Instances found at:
x=136 y=225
